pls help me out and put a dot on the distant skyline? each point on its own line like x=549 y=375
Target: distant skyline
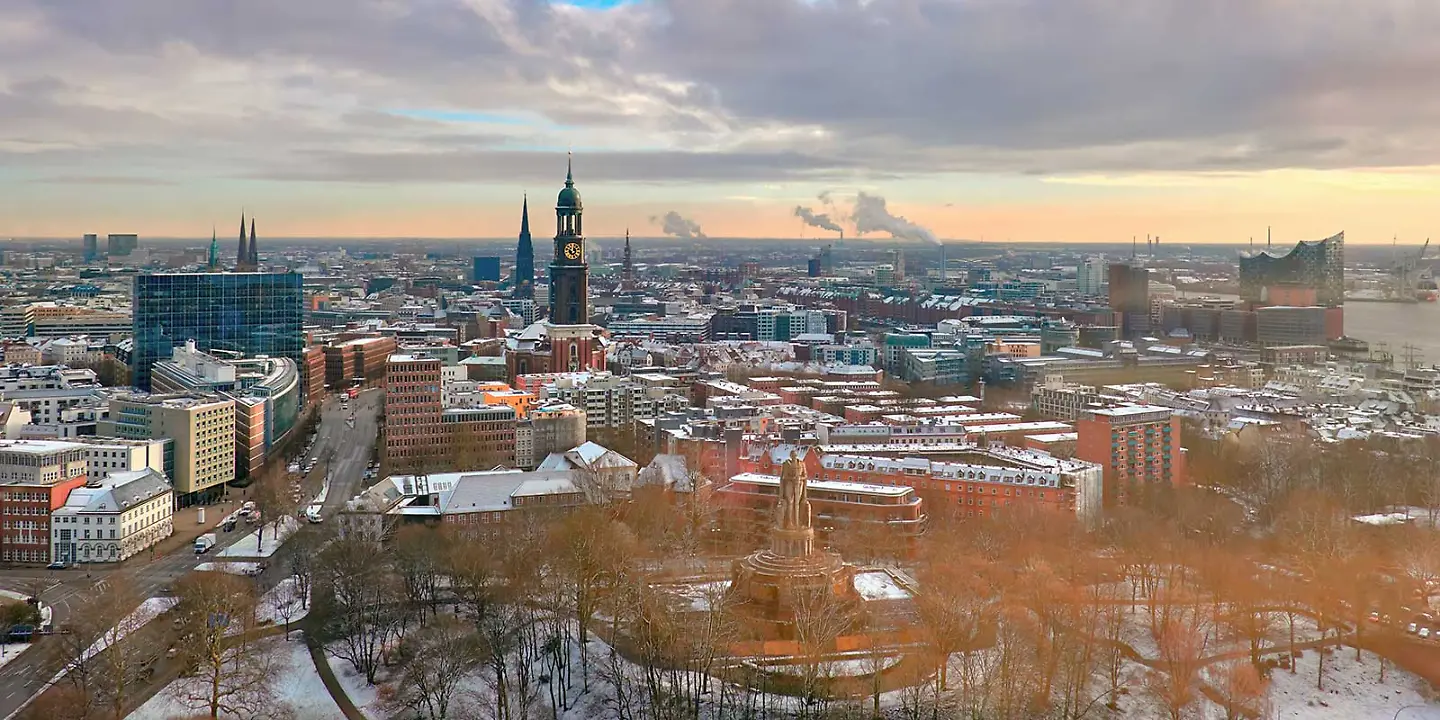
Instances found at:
x=1011 y=121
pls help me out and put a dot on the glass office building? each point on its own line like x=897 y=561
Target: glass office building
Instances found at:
x=250 y=313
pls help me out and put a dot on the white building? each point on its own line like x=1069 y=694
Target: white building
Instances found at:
x=1090 y=276
x=112 y=519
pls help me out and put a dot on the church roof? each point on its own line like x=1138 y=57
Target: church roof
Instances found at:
x=569 y=196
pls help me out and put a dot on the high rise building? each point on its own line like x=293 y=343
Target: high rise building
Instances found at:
x=485 y=269
x=1090 y=275
x=250 y=313
x=92 y=247
x=1317 y=265
x=569 y=272
x=524 y=281
x=1137 y=445
x=1130 y=296
x=119 y=244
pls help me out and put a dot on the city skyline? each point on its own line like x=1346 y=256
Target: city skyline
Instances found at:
x=999 y=121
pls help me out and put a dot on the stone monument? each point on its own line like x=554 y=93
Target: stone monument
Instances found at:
x=766 y=583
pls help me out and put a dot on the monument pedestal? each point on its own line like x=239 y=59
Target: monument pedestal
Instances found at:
x=767 y=585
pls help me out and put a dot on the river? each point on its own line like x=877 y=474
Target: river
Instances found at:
x=1397 y=324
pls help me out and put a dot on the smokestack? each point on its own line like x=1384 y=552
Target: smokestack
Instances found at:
x=1267 y=237
x=1134 y=248
x=942 y=263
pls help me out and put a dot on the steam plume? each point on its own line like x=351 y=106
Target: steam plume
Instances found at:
x=819 y=220
x=870 y=215
x=673 y=223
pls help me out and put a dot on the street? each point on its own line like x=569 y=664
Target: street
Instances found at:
x=348 y=449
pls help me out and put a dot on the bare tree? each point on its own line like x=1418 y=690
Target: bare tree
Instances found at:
x=358 y=604
x=437 y=660
x=418 y=552
x=231 y=679
x=820 y=619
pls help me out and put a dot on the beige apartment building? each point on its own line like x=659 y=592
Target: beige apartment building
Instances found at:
x=112 y=519
x=201 y=429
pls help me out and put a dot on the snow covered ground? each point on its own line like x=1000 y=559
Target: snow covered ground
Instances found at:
x=234 y=568
x=878 y=585
x=282 y=600
x=1352 y=691
x=255 y=545
x=298 y=687
x=366 y=697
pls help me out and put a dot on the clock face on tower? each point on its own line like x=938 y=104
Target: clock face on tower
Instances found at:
x=572 y=251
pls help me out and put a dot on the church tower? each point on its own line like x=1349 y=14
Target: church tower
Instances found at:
x=252 y=261
x=569 y=273
x=243 y=256
x=628 y=278
x=524 y=280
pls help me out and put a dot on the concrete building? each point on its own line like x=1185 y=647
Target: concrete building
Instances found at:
x=106 y=456
x=1090 y=276
x=1058 y=400
x=1286 y=325
x=550 y=428
x=1129 y=290
x=1137 y=445
x=202 y=433
x=112 y=519
x=612 y=401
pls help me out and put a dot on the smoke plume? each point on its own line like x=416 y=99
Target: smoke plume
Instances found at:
x=673 y=223
x=819 y=220
x=870 y=215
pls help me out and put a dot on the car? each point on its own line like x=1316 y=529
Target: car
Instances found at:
x=1412 y=628
x=1424 y=633
x=58 y=565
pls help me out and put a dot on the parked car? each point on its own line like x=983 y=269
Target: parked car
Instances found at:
x=1412 y=628
x=1424 y=633
x=57 y=565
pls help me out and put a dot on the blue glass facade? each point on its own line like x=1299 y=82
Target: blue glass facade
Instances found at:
x=251 y=313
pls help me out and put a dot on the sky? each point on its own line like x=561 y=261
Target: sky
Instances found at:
x=1019 y=120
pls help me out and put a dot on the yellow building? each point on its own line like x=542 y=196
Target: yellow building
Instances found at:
x=201 y=428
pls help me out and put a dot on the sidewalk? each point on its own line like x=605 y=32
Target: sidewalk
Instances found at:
x=187 y=529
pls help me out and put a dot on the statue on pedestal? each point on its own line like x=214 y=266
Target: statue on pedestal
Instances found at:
x=794 y=510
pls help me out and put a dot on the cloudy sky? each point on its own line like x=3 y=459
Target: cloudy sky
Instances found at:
x=1054 y=120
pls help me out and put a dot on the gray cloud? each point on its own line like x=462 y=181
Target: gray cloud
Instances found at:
x=673 y=223
x=718 y=90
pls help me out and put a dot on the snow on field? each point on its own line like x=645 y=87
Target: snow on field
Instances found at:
x=365 y=696
x=234 y=568
x=263 y=546
x=878 y=585
x=297 y=686
x=700 y=595
x=1352 y=691
x=282 y=600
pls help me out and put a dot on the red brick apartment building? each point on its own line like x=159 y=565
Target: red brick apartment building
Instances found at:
x=747 y=505
x=36 y=477
x=418 y=428
x=358 y=359
x=976 y=482
x=1137 y=445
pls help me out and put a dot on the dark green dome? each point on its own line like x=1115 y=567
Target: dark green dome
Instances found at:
x=569 y=197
